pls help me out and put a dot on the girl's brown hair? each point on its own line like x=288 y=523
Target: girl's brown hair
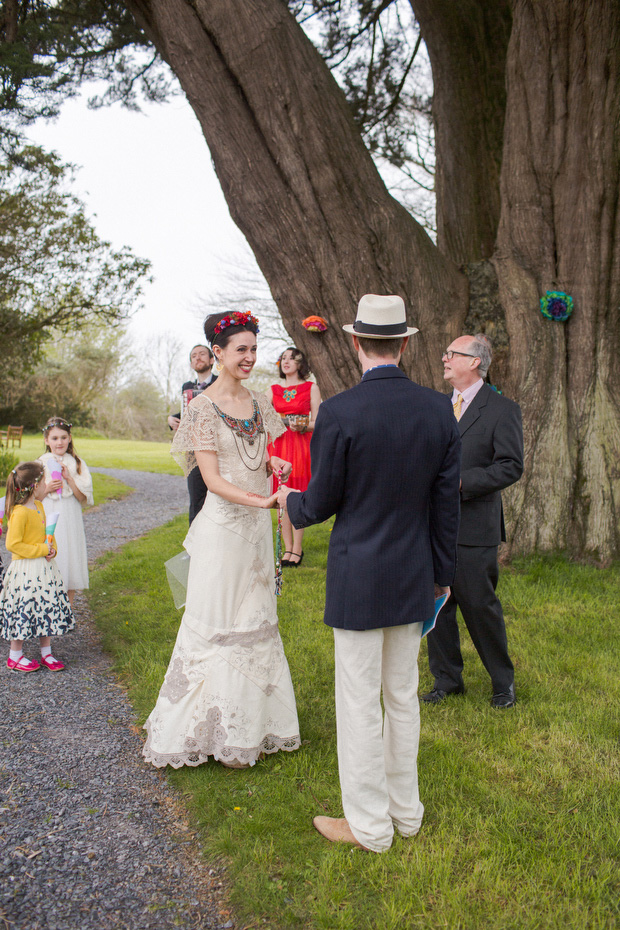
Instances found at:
x=21 y=484
x=59 y=423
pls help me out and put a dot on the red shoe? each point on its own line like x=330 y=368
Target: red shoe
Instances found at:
x=53 y=664
x=23 y=664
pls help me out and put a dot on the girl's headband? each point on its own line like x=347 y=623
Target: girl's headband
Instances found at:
x=58 y=422
x=30 y=487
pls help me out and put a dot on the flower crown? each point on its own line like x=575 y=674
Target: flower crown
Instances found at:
x=27 y=489
x=58 y=423
x=235 y=319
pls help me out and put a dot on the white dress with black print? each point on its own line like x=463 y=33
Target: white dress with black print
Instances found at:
x=32 y=599
x=228 y=691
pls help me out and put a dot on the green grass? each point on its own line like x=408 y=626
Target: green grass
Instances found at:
x=521 y=830
x=106 y=488
x=110 y=453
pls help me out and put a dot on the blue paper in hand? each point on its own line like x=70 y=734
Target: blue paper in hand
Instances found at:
x=428 y=625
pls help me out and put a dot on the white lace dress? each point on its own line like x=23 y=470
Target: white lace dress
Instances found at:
x=228 y=691
x=72 y=559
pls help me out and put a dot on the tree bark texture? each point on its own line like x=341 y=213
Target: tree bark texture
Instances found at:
x=299 y=182
x=467 y=41
x=560 y=230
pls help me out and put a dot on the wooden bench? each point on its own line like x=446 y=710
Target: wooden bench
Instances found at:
x=14 y=435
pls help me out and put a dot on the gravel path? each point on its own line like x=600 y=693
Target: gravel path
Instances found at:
x=92 y=838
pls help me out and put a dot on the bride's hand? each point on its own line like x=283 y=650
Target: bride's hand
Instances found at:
x=265 y=503
x=270 y=502
x=276 y=464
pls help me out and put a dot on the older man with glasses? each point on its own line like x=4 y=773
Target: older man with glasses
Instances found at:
x=492 y=459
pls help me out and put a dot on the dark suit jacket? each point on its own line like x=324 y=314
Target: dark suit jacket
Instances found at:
x=188 y=386
x=385 y=460
x=492 y=459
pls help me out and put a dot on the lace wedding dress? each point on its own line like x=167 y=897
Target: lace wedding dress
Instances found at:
x=228 y=691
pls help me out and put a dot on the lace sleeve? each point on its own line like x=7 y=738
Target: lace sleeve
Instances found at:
x=197 y=433
x=273 y=422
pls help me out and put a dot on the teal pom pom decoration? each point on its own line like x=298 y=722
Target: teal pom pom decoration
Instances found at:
x=556 y=305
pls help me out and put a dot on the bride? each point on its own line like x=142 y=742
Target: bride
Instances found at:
x=228 y=691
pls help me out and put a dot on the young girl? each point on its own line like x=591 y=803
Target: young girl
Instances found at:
x=32 y=601
x=76 y=488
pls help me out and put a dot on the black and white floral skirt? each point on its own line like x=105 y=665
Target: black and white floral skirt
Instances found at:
x=33 y=601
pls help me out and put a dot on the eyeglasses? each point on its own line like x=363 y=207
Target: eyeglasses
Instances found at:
x=449 y=354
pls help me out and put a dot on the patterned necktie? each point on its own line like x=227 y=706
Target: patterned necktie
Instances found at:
x=457 y=406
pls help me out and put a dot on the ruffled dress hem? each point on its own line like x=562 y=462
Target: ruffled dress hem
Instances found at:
x=197 y=754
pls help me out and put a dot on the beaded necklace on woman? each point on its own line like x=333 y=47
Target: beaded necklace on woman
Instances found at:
x=249 y=435
x=249 y=432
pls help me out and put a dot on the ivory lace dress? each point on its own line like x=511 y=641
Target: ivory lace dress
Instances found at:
x=228 y=691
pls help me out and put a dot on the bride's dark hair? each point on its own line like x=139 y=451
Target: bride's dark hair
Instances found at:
x=219 y=327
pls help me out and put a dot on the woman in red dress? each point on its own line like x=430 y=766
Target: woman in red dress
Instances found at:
x=297 y=402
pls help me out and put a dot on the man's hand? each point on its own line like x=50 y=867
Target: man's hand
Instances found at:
x=173 y=423
x=283 y=493
x=439 y=591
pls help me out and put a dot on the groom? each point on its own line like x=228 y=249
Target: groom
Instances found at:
x=385 y=460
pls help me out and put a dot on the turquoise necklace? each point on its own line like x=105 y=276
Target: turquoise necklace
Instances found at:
x=247 y=433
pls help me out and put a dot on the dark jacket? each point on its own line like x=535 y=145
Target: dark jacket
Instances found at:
x=385 y=460
x=492 y=459
x=191 y=385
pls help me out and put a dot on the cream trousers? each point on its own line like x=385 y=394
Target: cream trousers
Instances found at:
x=377 y=754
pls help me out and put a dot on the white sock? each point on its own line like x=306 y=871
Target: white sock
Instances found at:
x=16 y=654
x=46 y=651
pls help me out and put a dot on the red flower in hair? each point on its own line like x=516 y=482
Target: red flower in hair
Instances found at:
x=235 y=319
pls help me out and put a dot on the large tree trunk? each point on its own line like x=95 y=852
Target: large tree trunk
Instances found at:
x=560 y=230
x=299 y=182
x=467 y=42
x=305 y=192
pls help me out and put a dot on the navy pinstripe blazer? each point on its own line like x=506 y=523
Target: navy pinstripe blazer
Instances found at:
x=386 y=461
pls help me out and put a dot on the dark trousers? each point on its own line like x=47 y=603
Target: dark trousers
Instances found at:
x=474 y=592
x=197 y=493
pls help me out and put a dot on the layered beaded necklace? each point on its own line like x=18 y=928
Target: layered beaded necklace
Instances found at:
x=249 y=435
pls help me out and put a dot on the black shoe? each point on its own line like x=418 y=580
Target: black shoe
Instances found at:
x=298 y=563
x=504 y=699
x=436 y=696
x=284 y=562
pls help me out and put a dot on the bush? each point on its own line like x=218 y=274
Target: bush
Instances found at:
x=8 y=461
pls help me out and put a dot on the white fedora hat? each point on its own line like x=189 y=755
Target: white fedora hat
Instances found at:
x=380 y=317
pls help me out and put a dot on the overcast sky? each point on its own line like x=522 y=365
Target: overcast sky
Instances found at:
x=147 y=181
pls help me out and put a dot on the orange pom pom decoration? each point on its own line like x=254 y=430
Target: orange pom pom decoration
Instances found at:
x=314 y=324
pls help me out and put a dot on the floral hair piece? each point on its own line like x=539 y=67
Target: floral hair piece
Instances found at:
x=314 y=324
x=235 y=319
x=58 y=423
x=27 y=489
x=556 y=305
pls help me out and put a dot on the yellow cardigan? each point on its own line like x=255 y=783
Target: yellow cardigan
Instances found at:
x=25 y=537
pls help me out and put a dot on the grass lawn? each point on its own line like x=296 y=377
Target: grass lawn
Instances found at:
x=522 y=822
x=109 y=453
x=106 y=488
